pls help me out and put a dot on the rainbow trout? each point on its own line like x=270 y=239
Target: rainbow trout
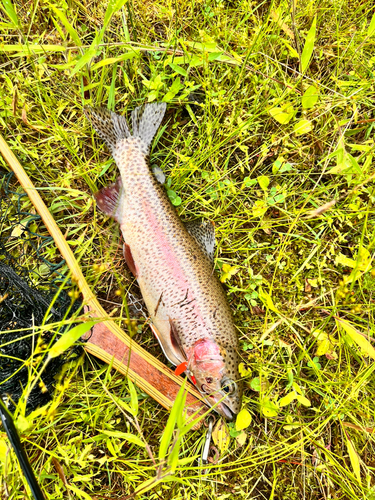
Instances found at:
x=172 y=261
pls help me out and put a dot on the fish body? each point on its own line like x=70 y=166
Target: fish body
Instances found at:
x=173 y=263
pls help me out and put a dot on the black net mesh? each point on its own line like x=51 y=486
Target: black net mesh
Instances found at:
x=31 y=295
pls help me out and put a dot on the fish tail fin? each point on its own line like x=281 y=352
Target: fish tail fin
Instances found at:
x=146 y=121
x=112 y=128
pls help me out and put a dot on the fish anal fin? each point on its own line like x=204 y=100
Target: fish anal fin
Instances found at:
x=108 y=198
x=203 y=231
x=129 y=259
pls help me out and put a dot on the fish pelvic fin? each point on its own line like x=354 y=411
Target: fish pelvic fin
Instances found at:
x=113 y=128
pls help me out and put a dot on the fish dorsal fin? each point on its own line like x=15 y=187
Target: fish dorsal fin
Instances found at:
x=203 y=232
x=108 y=198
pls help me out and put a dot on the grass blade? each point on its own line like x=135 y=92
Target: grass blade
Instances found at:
x=113 y=60
x=371 y=28
x=131 y=438
x=6 y=26
x=133 y=398
x=69 y=28
x=354 y=458
x=309 y=47
x=178 y=407
x=10 y=12
x=357 y=337
x=27 y=50
x=113 y=6
x=112 y=89
x=154 y=481
x=68 y=338
x=90 y=53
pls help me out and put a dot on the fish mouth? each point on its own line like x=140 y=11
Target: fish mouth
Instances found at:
x=226 y=411
x=222 y=409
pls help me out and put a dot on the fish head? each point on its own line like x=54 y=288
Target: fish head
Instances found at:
x=216 y=378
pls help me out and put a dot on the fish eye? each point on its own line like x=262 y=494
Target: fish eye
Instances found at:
x=209 y=380
x=229 y=386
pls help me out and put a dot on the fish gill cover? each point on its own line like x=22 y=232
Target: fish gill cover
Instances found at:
x=29 y=283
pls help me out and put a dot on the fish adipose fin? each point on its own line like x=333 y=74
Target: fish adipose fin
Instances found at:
x=204 y=234
x=112 y=128
x=159 y=174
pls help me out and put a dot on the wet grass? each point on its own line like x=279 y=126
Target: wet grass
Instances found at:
x=268 y=121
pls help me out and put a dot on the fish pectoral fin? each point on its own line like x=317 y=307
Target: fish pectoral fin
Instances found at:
x=203 y=231
x=108 y=198
x=175 y=341
x=175 y=357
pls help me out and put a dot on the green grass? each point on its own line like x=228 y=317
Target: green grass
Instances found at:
x=236 y=77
